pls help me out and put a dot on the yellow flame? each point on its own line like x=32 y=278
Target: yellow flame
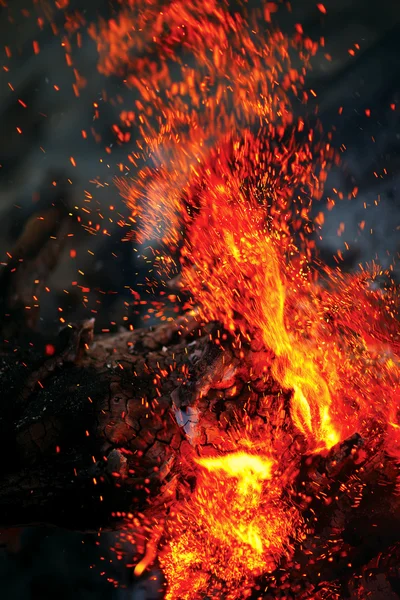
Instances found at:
x=249 y=470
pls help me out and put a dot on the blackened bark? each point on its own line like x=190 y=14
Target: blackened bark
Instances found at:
x=88 y=431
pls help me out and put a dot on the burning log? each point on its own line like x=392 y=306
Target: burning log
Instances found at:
x=93 y=433
x=214 y=432
x=123 y=430
x=99 y=422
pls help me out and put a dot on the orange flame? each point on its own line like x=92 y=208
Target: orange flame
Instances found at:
x=237 y=270
x=226 y=175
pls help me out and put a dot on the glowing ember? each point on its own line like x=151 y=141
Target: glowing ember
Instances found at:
x=234 y=527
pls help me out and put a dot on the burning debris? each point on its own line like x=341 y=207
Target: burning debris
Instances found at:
x=248 y=444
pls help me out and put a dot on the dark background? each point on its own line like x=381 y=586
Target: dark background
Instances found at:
x=54 y=564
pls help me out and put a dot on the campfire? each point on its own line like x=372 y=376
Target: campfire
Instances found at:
x=249 y=445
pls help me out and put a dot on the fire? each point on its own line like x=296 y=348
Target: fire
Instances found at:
x=228 y=533
x=237 y=270
x=249 y=470
x=227 y=172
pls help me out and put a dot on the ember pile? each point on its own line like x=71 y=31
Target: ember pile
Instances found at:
x=281 y=471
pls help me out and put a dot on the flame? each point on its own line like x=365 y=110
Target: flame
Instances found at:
x=250 y=471
x=227 y=171
x=238 y=271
